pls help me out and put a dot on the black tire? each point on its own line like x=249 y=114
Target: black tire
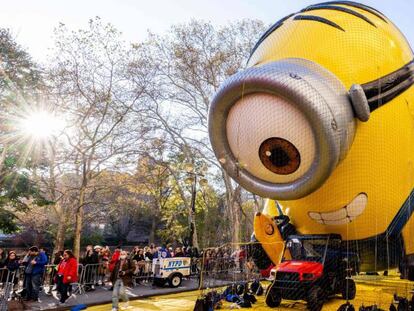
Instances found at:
x=315 y=298
x=348 y=290
x=260 y=258
x=175 y=280
x=410 y=274
x=347 y=307
x=273 y=297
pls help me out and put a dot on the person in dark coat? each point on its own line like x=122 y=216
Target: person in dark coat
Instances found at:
x=34 y=263
x=179 y=252
x=3 y=256
x=90 y=262
x=91 y=257
x=121 y=276
x=12 y=265
x=56 y=261
x=148 y=254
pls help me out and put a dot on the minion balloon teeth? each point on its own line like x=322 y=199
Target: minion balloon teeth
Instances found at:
x=321 y=121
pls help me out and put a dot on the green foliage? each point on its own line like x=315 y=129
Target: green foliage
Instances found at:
x=20 y=79
x=93 y=238
x=7 y=221
x=17 y=193
x=18 y=74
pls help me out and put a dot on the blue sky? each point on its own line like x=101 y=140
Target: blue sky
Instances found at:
x=32 y=22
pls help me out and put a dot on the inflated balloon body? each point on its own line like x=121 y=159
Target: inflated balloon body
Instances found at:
x=322 y=121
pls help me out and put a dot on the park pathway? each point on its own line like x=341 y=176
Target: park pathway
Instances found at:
x=102 y=295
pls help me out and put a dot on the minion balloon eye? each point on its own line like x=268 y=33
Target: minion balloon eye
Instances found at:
x=307 y=120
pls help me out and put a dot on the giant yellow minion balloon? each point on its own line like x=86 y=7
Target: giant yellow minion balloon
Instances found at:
x=322 y=121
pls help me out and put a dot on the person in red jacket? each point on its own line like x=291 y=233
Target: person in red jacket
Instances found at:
x=114 y=258
x=67 y=273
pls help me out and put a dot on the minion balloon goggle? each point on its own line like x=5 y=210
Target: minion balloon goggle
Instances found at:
x=315 y=119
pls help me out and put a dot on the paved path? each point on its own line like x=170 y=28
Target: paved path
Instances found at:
x=370 y=290
x=103 y=295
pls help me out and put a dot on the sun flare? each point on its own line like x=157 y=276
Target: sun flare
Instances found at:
x=41 y=125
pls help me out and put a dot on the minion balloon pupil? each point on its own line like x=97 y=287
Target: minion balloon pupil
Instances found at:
x=283 y=128
x=279 y=155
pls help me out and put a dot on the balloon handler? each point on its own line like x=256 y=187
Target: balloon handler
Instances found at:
x=321 y=120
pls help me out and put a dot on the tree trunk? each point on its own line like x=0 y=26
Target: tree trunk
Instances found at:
x=195 y=237
x=60 y=236
x=153 y=228
x=233 y=209
x=236 y=222
x=192 y=214
x=79 y=223
x=78 y=231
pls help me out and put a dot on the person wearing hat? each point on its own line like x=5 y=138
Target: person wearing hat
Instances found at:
x=34 y=263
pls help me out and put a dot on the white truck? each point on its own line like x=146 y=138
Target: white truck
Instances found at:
x=171 y=270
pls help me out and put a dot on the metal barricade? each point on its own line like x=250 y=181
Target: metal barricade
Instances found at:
x=4 y=274
x=48 y=277
x=143 y=272
x=77 y=287
x=7 y=282
x=47 y=281
x=20 y=276
x=92 y=275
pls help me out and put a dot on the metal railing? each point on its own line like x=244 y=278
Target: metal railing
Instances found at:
x=143 y=272
x=8 y=282
x=90 y=275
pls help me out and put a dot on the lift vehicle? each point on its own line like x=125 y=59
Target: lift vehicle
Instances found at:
x=313 y=267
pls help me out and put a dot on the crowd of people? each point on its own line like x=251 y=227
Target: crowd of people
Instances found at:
x=102 y=266
x=33 y=264
x=224 y=259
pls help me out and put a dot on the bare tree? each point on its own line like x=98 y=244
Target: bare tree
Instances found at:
x=90 y=82
x=191 y=62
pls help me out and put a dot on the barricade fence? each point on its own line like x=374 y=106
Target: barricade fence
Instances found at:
x=143 y=272
x=8 y=283
x=89 y=275
x=228 y=263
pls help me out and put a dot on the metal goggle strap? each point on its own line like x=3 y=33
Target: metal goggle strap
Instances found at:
x=327 y=106
x=384 y=89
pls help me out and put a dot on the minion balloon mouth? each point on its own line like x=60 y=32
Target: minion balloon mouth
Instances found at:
x=344 y=215
x=307 y=122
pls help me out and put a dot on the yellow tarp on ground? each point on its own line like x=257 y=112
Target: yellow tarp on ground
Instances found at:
x=370 y=290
